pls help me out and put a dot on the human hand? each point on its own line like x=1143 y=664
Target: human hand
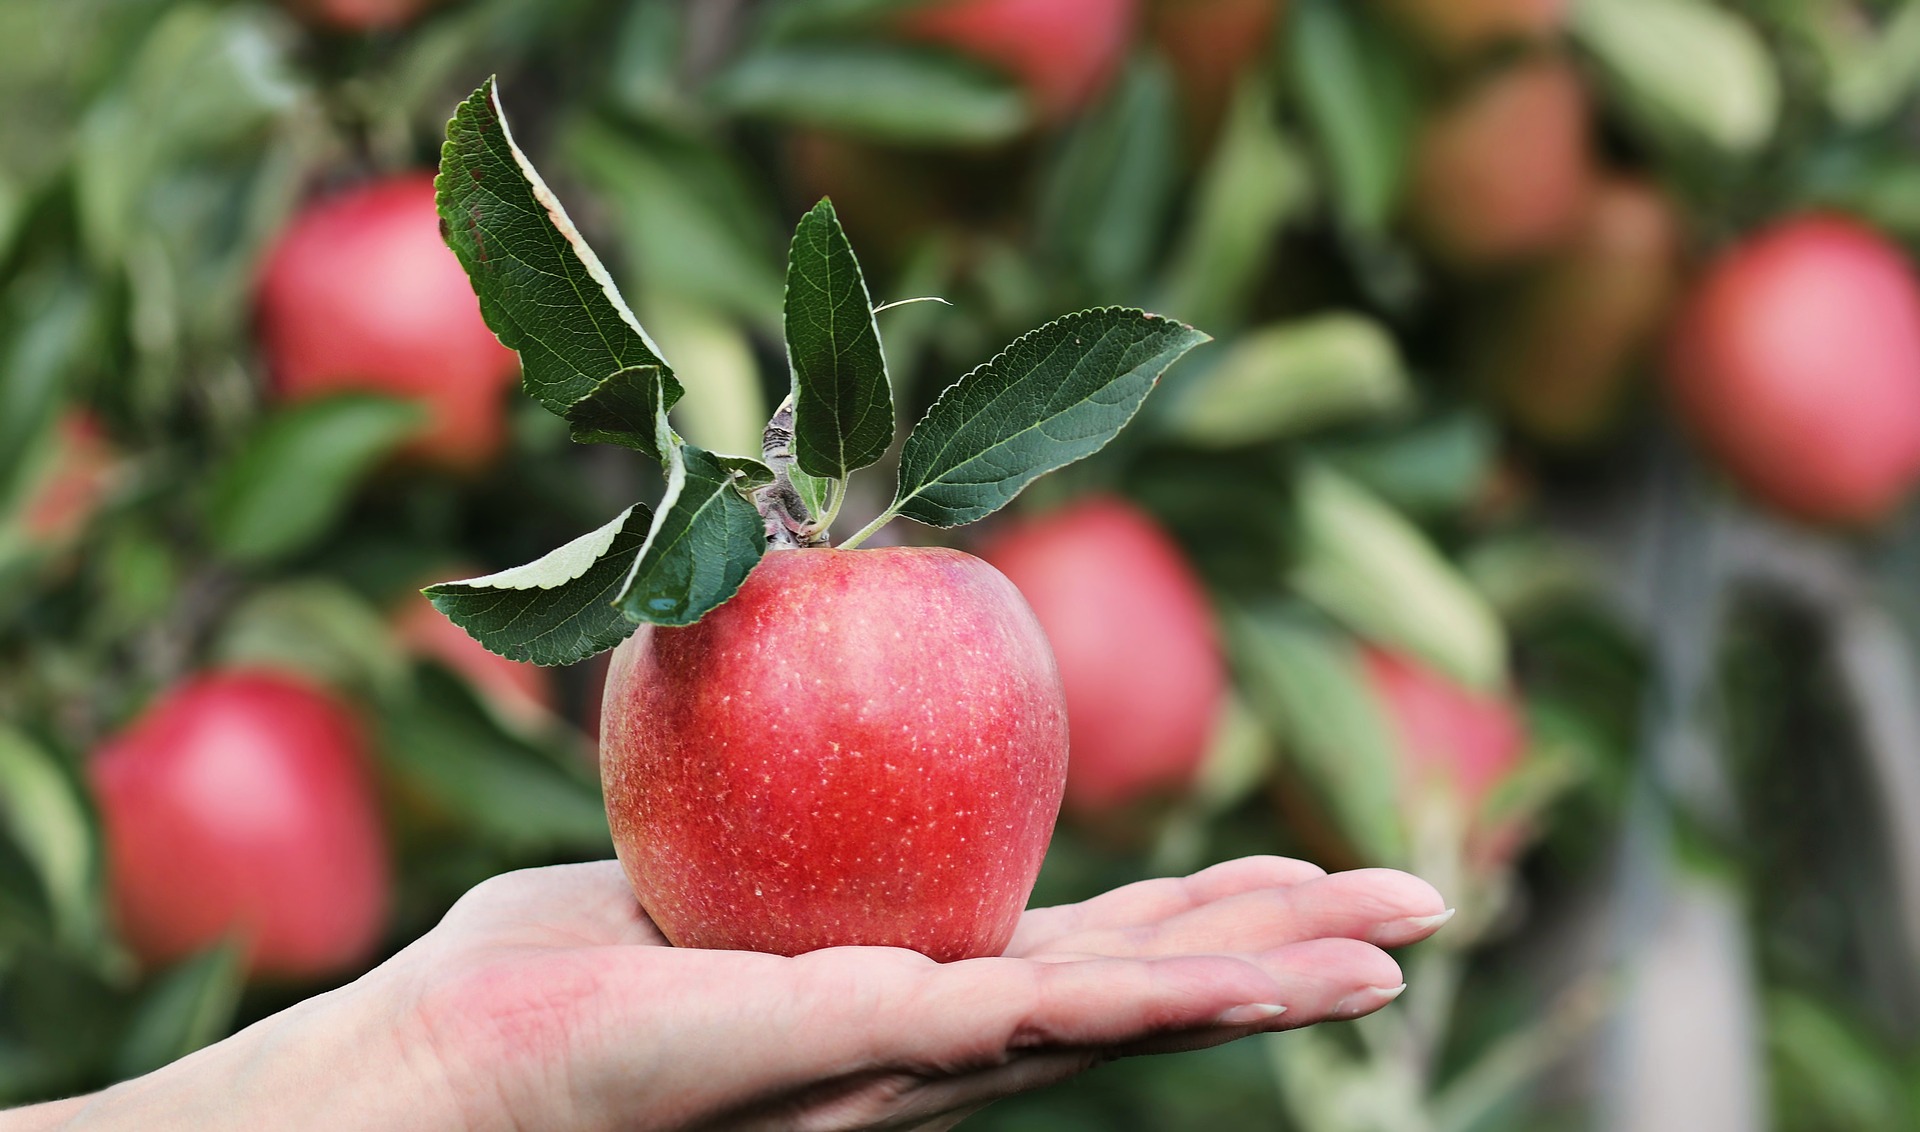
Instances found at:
x=546 y=999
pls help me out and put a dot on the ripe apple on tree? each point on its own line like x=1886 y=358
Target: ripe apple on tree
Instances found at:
x=1064 y=52
x=1796 y=363
x=65 y=491
x=359 y=293
x=1134 y=636
x=802 y=745
x=240 y=803
x=361 y=15
x=1209 y=44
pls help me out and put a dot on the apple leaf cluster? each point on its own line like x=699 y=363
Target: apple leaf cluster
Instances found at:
x=1055 y=395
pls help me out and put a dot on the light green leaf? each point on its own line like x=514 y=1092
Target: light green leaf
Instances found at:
x=41 y=808
x=1364 y=563
x=541 y=288
x=1309 y=684
x=294 y=476
x=877 y=90
x=1287 y=379
x=726 y=410
x=1690 y=71
x=317 y=626
x=1056 y=395
x=705 y=539
x=559 y=608
x=1356 y=89
x=842 y=405
x=190 y=1006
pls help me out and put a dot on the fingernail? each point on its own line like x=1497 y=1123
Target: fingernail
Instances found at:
x=1249 y=1014
x=1395 y=932
x=1366 y=1000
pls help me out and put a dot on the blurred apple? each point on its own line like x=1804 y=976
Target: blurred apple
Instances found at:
x=1559 y=357
x=1458 y=28
x=67 y=489
x=1501 y=173
x=1135 y=639
x=361 y=15
x=360 y=293
x=1209 y=44
x=240 y=803
x=522 y=692
x=1064 y=52
x=1796 y=362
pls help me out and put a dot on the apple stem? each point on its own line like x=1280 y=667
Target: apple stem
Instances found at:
x=861 y=535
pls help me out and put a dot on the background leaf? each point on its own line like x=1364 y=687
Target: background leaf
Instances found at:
x=875 y=90
x=1056 y=395
x=1690 y=71
x=188 y=1007
x=842 y=405
x=1282 y=380
x=42 y=810
x=1356 y=88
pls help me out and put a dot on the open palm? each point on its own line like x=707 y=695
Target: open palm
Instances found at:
x=549 y=1000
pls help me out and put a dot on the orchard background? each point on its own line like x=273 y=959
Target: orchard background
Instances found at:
x=1537 y=519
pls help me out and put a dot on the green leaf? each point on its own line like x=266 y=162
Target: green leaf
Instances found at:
x=1432 y=468
x=294 y=476
x=1103 y=208
x=559 y=608
x=1308 y=682
x=316 y=626
x=1056 y=395
x=1284 y=380
x=705 y=539
x=1364 y=563
x=726 y=410
x=1690 y=71
x=444 y=743
x=842 y=405
x=1355 y=86
x=876 y=90
x=623 y=409
x=190 y=1006
x=541 y=288
x=42 y=809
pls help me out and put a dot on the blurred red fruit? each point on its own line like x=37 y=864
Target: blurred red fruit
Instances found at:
x=1560 y=357
x=1064 y=52
x=1135 y=640
x=1469 y=741
x=361 y=15
x=1502 y=172
x=523 y=692
x=1209 y=43
x=240 y=803
x=1796 y=362
x=360 y=293
x=1457 y=28
x=69 y=487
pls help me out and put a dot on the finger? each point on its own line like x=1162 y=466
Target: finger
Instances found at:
x=1381 y=906
x=1149 y=901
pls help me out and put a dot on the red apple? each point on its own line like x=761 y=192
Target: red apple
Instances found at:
x=361 y=15
x=1064 y=52
x=240 y=803
x=67 y=490
x=360 y=293
x=1209 y=44
x=1135 y=639
x=1559 y=356
x=1458 y=28
x=1464 y=740
x=861 y=747
x=1796 y=362
x=1501 y=173
x=520 y=690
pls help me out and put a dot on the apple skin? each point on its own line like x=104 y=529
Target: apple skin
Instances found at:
x=1446 y=732
x=861 y=747
x=1560 y=357
x=1501 y=173
x=361 y=15
x=1796 y=363
x=68 y=489
x=360 y=293
x=1064 y=52
x=1135 y=639
x=240 y=801
x=1455 y=29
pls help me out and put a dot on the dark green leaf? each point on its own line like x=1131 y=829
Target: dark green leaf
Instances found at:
x=1105 y=204
x=877 y=90
x=541 y=288
x=842 y=405
x=624 y=409
x=1056 y=395
x=295 y=475
x=558 y=609
x=190 y=1006
x=1356 y=89
x=444 y=743
x=705 y=539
